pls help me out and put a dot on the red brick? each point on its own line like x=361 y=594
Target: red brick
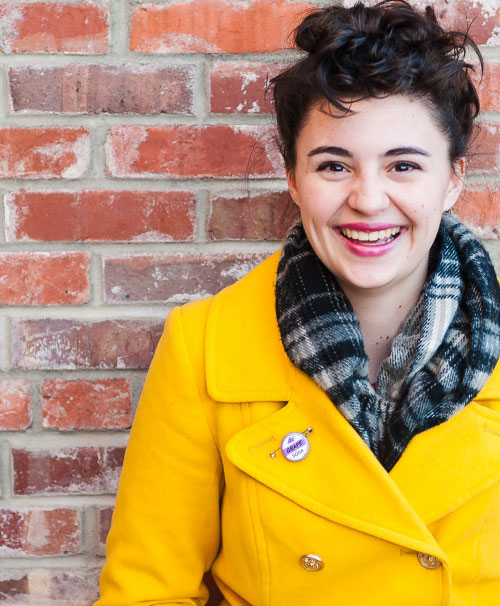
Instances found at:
x=44 y=278
x=193 y=151
x=141 y=278
x=15 y=404
x=485 y=150
x=483 y=16
x=260 y=216
x=479 y=208
x=94 y=216
x=81 y=404
x=104 y=515
x=53 y=27
x=38 y=532
x=14 y=586
x=44 y=153
x=82 y=470
x=254 y=26
x=489 y=89
x=241 y=87
x=68 y=344
x=96 y=89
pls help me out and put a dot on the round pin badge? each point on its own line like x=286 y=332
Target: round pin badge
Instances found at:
x=295 y=446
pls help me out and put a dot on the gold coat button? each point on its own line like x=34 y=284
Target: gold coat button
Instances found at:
x=428 y=561
x=312 y=562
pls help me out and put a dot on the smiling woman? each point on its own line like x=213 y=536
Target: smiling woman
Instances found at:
x=374 y=184
x=372 y=187
x=327 y=429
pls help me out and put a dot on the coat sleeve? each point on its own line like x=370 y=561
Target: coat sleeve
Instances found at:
x=166 y=524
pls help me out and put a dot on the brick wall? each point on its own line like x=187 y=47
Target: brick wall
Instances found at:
x=138 y=170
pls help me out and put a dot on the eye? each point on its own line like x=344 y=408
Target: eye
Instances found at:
x=331 y=167
x=405 y=167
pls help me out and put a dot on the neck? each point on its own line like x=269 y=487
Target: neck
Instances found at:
x=380 y=313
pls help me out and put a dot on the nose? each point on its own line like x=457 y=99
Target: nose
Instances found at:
x=368 y=195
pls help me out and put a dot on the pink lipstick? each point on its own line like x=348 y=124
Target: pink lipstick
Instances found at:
x=369 y=239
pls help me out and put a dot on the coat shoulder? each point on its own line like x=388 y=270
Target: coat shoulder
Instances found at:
x=232 y=304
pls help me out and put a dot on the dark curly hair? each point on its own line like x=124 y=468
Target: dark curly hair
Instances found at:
x=390 y=48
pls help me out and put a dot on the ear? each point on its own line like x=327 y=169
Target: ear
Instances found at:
x=456 y=183
x=292 y=186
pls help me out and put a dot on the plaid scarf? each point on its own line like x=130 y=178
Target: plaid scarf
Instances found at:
x=442 y=356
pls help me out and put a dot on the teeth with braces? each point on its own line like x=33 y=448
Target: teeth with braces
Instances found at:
x=372 y=236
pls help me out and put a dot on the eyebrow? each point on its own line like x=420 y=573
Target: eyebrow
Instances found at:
x=330 y=149
x=344 y=153
x=403 y=151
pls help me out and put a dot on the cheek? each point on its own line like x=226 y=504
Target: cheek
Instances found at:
x=317 y=204
x=316 y=213
x=426 y=211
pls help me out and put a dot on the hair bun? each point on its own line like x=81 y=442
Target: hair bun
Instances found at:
x=312 y=33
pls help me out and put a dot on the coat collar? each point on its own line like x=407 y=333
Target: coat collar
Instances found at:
x=242 y=318
x=440 y=470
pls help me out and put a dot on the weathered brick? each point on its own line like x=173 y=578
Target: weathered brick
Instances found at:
x=49 y=586
x=14 y=586
x=104 y=515
x=44 y=278
x=97 y=89
x=44 y=153
x=78 y=587
x=82 y=404
x=482 y=16
x=193 y=151
x=94 y=216
x=260 y=216
x=82 y=470
x=15 y=404
x=53 y=27
x=68 y=344
x=489 y=89
x=39 y=532
x=242 y=87
x=169 y=279
x=485 y=151
x=254 y=26
x=479 y=208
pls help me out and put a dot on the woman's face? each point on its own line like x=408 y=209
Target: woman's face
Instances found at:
x=371 y=188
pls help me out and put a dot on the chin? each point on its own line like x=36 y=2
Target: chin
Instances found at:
x=365 y=281
x=367 y=285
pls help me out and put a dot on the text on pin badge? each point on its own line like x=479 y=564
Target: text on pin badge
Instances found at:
x=295 y=446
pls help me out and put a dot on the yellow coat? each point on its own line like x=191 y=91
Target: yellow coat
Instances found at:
x=199 y=488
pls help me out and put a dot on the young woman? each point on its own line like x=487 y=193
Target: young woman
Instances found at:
x=327 y=430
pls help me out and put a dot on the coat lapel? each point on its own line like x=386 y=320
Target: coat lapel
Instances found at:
x=446 y=466
x=340 y=479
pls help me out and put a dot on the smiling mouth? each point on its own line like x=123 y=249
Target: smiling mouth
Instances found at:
x=371 y=238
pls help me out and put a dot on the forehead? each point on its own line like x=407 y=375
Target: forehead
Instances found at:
x=375 y=124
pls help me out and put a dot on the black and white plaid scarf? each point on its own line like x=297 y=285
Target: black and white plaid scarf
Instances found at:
x=443 y=355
